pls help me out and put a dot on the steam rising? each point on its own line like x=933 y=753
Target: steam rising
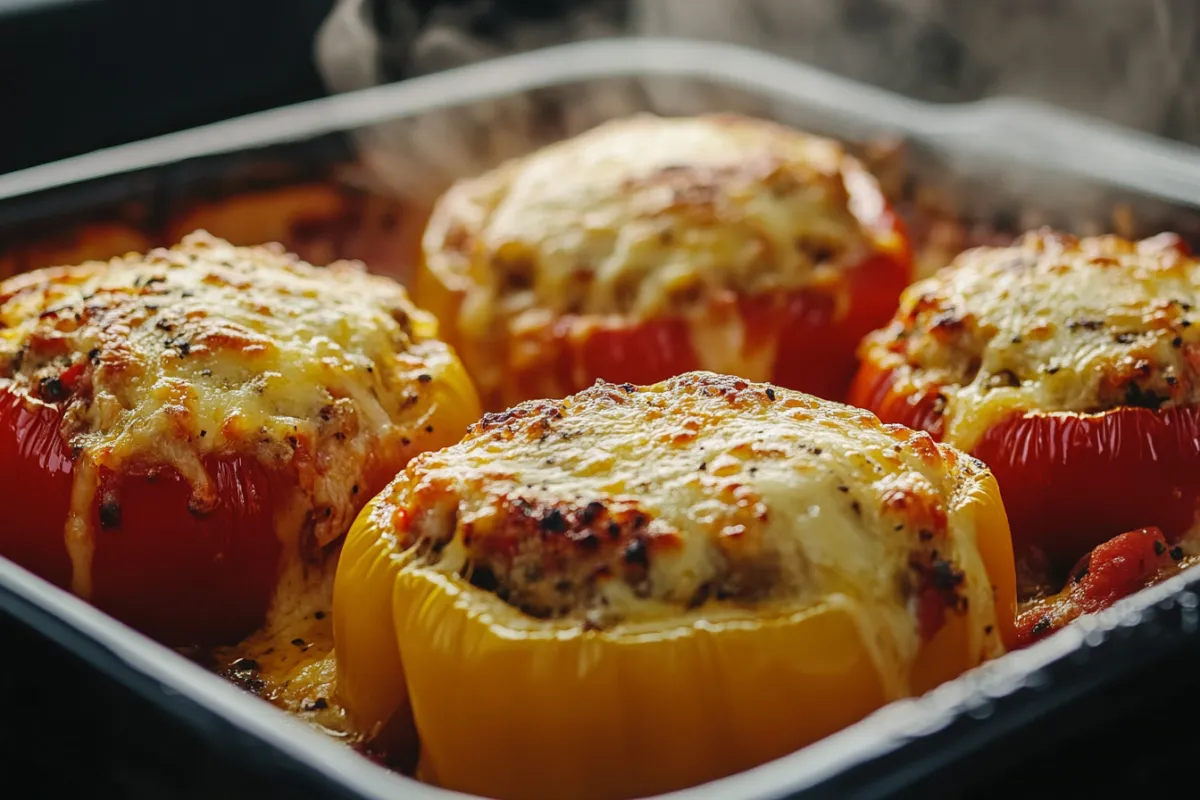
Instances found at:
x=1125 y=60
x=1130 y=62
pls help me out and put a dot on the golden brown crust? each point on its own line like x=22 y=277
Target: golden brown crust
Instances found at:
x=623 y=502
x=1051 y=323
x=646 y=219
x=648 y=215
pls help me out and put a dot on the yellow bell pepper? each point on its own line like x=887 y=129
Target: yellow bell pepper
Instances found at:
x=510 y=706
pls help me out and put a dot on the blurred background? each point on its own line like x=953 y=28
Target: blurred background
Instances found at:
x=77 y=75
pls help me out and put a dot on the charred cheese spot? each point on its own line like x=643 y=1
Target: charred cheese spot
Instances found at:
x=594 y=512
x=647 y=218
x=1051 y=323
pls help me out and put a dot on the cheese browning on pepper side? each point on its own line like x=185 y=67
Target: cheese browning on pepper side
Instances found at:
x=1053 y=323
x=184 y=360
x=647 y=219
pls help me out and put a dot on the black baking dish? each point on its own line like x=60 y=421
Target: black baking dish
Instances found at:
x=139 y=720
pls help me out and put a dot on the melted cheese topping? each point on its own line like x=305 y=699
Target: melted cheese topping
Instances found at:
x=702 y=495
x=1052 y=323
x=207 y=348
x=645 y=217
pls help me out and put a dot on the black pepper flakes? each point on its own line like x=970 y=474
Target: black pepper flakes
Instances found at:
x=637 y=554
x=1176 y=553
x=1159 y=547
x=354 y=489
x=944 y=576
x=770 y=393
x=1041 y=626
x=1139 y=397
x=52 y=390
x=110 y=513
x=590 y=512
x=318 y=615
x=94 y=355
x=483 y=578
x=424 y=377
x=429 y=429
x=245 y=665
x=587 y=540
x=1177 y=342
x=553 y=521
x=320 y=704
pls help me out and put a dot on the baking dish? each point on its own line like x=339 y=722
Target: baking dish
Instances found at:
x=1000 y=165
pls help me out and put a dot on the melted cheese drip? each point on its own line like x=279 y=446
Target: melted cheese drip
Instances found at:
x=293 y=663
x=77 y=532
x=799 y=501
x=1050 y=324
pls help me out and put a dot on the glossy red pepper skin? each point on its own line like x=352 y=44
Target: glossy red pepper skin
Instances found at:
x=1070 y=481
x=184 y=578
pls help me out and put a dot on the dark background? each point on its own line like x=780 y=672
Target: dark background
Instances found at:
x=78 y=75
